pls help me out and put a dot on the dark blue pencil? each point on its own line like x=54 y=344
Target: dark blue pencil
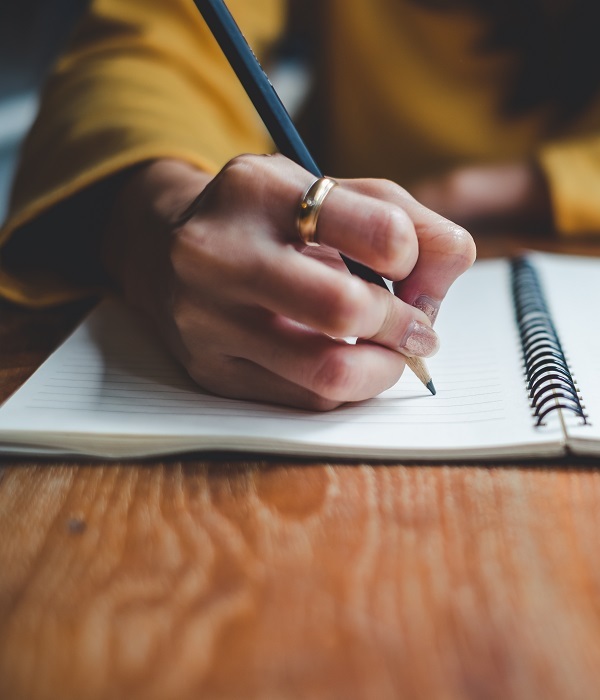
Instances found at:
x=274 y=115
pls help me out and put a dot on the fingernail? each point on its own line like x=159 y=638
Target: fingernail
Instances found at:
x=420 y=340
x=428 y=306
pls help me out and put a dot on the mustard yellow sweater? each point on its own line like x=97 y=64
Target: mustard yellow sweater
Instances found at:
x=406 y=96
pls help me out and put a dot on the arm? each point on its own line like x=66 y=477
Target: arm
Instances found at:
x=139 y=122
x=505 y=196
x=557 y=190
x=134 y=85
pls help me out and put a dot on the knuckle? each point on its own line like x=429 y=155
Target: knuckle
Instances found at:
x=387 y=190
x=393 y=240
x=230 y=185
x=393 y=191
x=239 y=165
x=236 y=174
x=248 y=181
x=249 y=164
x=341 y=307
x=335 y=375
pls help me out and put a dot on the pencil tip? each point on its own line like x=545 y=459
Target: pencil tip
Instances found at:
x=430 y=386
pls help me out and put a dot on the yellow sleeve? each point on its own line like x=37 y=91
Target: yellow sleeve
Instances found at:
x=572 y=168
x=140 y=80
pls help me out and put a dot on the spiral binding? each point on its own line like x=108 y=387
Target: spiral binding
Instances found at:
x=550 y=384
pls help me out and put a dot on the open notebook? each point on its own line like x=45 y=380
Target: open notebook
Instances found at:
x=111 y=391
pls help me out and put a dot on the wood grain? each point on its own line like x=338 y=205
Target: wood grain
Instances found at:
x=247 y=578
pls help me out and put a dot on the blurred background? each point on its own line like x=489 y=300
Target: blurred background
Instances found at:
x=31 y=34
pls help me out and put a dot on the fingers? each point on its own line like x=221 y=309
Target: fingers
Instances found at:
x=280 y=360
x=250 y=382
x=377 y=232
x=259 y=319
x=251 y=265
x=308 y=292
x=341 y=306
x=445 y=249
x=245 y=311
x=375 y=222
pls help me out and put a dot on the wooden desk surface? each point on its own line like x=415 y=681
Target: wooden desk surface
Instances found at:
x=283 y=579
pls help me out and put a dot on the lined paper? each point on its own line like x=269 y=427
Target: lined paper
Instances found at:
x=111 y=390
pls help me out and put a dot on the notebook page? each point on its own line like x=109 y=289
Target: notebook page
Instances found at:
x=572 y=289
x=111 y=391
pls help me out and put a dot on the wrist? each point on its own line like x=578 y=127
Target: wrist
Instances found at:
x=146 y=209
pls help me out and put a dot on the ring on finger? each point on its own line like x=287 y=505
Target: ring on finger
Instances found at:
x=310 y=206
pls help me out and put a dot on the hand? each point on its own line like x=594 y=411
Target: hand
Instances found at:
x=249 y=311
x=510 y=195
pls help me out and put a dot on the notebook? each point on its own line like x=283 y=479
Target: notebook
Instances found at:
x=518 y=375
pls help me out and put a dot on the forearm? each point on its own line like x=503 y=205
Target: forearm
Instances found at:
x=134 y=85
x=499 y=197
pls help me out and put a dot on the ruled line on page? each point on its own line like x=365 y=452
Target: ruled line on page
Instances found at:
x=384 y=412
x=116 y=378
x=148 y=396
x=170 y=406
x=371 y=418
x=83 y=389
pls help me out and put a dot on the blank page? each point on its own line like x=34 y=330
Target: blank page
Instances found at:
x=572 y=288
x=112 y=391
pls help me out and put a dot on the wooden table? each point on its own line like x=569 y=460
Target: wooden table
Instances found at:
x=256 y=578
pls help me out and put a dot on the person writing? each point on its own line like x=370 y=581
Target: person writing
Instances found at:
x=139 y=168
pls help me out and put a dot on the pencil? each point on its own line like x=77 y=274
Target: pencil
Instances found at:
x=278 y=122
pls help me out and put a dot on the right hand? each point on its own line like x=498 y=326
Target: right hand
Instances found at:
x=249 y=311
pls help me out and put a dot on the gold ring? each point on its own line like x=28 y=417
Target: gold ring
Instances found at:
x=310 y=206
